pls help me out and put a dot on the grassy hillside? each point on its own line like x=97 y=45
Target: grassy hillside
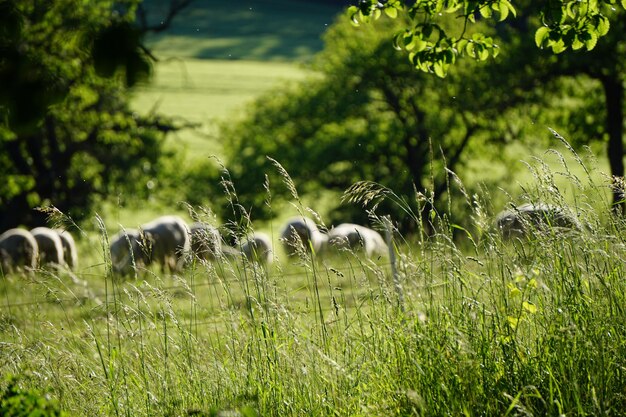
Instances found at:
x=205 y=91
x=217 y=56
x=259 y=30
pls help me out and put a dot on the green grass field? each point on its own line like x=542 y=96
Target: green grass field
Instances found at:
x=205 y=92
x=480 y=327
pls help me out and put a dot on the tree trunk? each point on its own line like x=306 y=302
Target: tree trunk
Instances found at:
x=614 y=96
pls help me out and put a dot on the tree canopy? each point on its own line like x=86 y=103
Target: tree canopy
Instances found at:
x=370 y=115
x=67 y=134
x=431 y=47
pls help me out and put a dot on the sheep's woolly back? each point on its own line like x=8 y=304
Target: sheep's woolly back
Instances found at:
x=301 y=233
x=520 y=221
x=357 y=237
x=18 y=248
x=258 y=248
x=50 y=246
x=70 y=254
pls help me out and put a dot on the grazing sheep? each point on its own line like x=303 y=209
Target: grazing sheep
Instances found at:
x=520 y=221
x=18 y=248
x=299 y=233
x=70 y=255
x=357 y=237
x=50 y=246
x=167 y=242
x=258 y=248
x=126 y=248
x=206 y=242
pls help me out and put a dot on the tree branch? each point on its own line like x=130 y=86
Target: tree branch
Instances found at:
x=176 y=6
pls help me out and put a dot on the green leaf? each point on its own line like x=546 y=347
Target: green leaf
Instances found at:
x=541 y=34
x=483 y=53
x=624 y=4
x=504 y=12
x=392 y=12
x=603 y=26
x=557 y=46
x=440 y=69
x=577 y=44
x=592 y=41
x=470 y=49
x=461 y=45
x=509 y=6
x=485 y=12
x=569 y=9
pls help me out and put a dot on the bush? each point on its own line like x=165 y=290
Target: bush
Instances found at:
x=18 y=402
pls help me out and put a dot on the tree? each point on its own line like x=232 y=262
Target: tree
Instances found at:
x=369 y=115
x=67 y=135
x=585 y=37
x=564 y=24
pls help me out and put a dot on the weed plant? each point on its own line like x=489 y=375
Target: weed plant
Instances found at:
x=473 y=325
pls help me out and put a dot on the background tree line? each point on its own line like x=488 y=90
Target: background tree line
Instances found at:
x=68 y=137
x=371 y=115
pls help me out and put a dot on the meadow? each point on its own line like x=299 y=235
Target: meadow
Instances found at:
x=471 y=326
x=461 y=323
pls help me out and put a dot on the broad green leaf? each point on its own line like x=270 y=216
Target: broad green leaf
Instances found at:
x=624 y=4
x=513 y=321
x=470 y=49
x=592 y=41
x=483 y=53
x=509 y=6
x=392 y=12
x=461 y=45
x=515 y=292
x=577 y=44
x=603 y=26
x=485 y=12
x=569 y=9
x=557 y=46
x=504 y=12
x=420 y=44
x=439 y=69
x=540 y=35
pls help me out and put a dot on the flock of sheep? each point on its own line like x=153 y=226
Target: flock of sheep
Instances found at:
x=20 y=248
x=171 y=243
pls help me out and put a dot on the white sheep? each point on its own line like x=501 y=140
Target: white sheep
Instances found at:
x=520 y=221
x=126 y=248
x=167 y=242
x=50 y=246
x=301 y=233
x=206 y=241
x=18 y=249
x=70 y=254
x=258 y=248
x=356 y=237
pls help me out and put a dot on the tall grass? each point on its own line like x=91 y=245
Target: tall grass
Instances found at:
x=535 y=326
